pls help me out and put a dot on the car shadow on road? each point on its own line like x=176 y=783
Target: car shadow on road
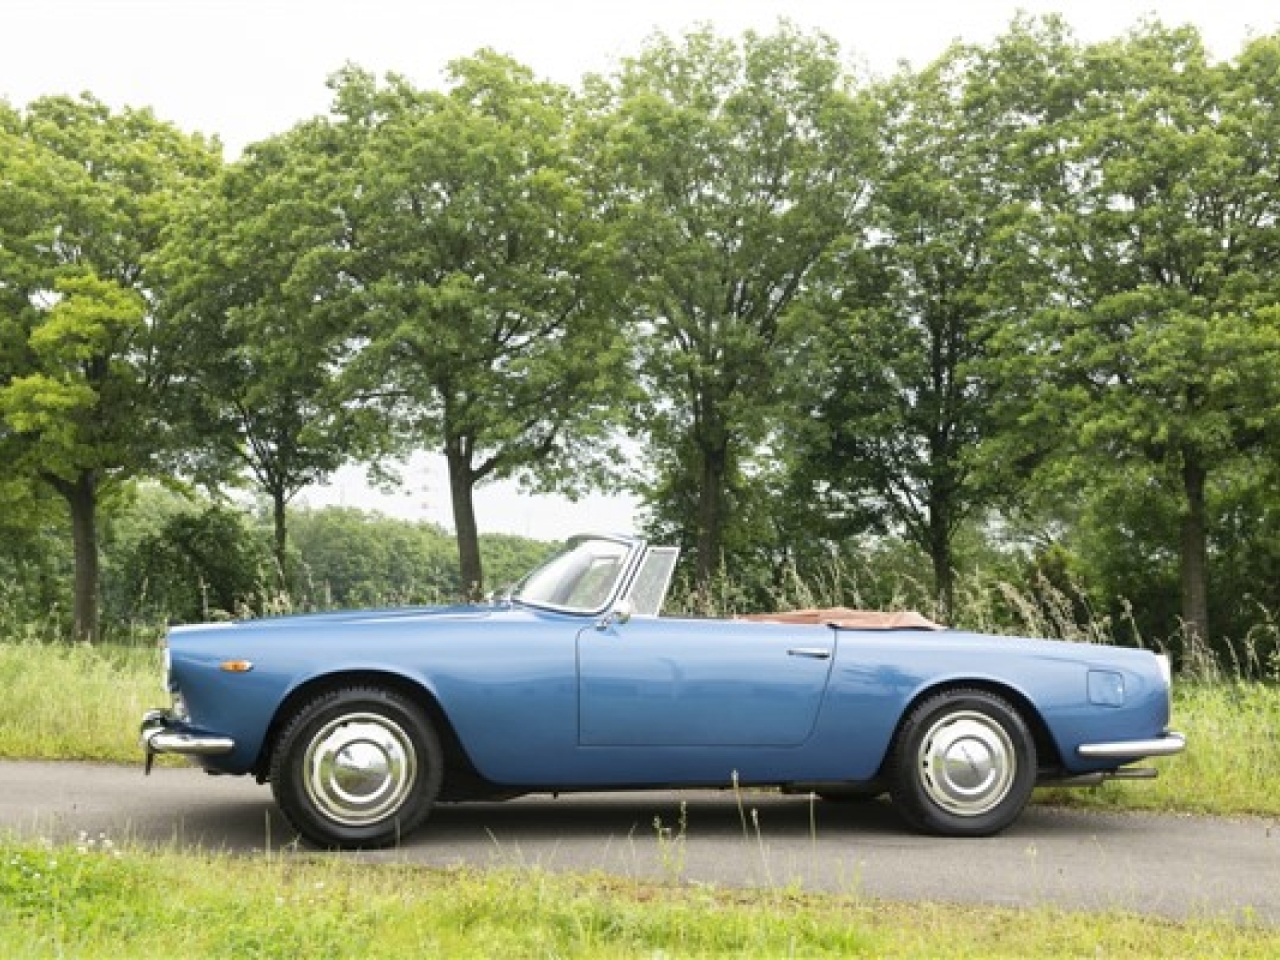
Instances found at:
x=251 y=824
x=721 y=815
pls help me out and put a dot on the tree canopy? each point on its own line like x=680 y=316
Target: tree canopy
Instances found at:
x=473 y=252
x=731 y=168
x=251 y=270
x=84 y=386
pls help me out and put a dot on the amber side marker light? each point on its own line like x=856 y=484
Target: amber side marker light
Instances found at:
x=236 y=666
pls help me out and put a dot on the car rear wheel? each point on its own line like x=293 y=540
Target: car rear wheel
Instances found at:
x=357 y=767
x=963 y=764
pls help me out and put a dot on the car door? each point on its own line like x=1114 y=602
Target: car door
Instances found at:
x=698 y=683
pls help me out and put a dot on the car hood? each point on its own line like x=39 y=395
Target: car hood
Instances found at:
x=391 y=614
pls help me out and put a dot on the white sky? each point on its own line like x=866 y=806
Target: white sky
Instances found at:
x=246 y=69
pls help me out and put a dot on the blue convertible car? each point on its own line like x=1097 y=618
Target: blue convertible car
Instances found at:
x=361 y=721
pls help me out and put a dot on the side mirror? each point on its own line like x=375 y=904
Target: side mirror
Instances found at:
x=620 y=614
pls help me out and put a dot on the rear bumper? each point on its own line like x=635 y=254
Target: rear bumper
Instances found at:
x=1166 y=746
x=161 y=733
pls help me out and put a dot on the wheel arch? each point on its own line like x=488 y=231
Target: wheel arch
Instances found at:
x=1047 y=754
x=454 y=754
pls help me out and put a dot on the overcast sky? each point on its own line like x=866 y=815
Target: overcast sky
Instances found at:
x=246 y=69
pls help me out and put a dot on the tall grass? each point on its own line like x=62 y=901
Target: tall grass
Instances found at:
x=75 y=701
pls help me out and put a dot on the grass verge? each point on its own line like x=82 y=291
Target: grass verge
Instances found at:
x=92 y=901
x=66 y=701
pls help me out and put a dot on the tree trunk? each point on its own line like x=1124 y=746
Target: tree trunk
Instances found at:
x=710 y=516
x=279 y=506
x=461 y=488
x=1195 y=551
x=81 y=495
x=944 y=580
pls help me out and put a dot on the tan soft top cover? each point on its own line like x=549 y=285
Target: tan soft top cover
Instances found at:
x=850 y=619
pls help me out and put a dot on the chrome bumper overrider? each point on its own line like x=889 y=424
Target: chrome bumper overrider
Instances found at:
x=1166 y=746
x=158 y=734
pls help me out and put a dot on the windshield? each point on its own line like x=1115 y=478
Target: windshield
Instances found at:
x=582 y=579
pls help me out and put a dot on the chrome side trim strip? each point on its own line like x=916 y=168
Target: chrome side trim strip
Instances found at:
x=1166 y=746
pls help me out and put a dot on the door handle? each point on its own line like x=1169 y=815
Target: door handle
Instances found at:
x=813 y=653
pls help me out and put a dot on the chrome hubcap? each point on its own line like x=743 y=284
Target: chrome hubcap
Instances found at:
x=967 y=763
x=359 y=769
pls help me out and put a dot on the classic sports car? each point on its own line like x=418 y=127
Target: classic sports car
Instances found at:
x=361 y=721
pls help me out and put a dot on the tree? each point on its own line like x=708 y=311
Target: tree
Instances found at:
x=733 y=168
x=203 y=562
x=1159 y=345
x=899 y=380
x=473 y=248
x=252 y=273
x=86 y=195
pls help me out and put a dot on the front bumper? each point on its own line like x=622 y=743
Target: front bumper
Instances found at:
x=1166 y=746
x=161 y=733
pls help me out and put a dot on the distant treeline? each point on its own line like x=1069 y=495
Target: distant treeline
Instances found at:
x=168 y=558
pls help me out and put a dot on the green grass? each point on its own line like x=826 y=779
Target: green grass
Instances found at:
x=94 y=901
x=65 y=701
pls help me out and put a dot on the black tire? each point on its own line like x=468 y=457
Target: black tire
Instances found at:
x=963 y=764
x=357 y=768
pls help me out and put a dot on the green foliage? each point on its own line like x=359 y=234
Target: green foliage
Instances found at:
x=1156 y=342
x=354 y=558
x=475 y=248
x=249 y=272
x=350 y=558
x=199 y=565
x=35 y=560
x=900 y=378
x=57 y=406
x=169 y=556
x=83 y=398
x=727 y=169
x=1028 y=290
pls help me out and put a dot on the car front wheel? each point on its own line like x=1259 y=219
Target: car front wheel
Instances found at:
x=356 y=767
x=963 y=764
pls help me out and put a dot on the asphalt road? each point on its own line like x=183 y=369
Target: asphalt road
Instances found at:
x=1169 y=866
